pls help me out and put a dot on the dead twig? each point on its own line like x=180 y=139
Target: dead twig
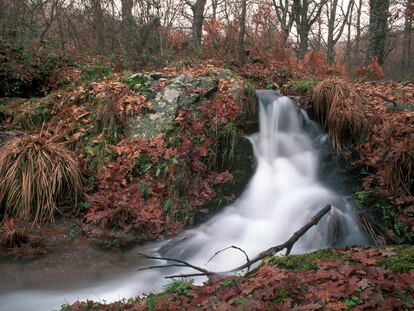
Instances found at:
x=288 y=245
x=181 y=263
x=227 y=248
x=394 y=103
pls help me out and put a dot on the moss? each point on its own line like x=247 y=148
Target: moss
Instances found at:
x=304 y=86
x=384 y=213
x=306 y=262
x=94 y=72
x=178 y=287
x=228 y=137
x=407 y=297
x=96 y=151
x=153 y=300
x=138 y=83
x=282 y=293
x=403 y=261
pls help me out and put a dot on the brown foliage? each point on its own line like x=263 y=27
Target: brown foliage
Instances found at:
x=351 y=279
x=340 y=109
x=390 y=145
x=35 y=174
x=132 y=195
x=372 y=71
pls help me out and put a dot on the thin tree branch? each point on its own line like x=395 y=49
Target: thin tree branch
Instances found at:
x=288 y=245
x=186 y=264
x=227 y=248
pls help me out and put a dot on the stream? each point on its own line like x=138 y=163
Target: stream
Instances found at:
x=286 y=190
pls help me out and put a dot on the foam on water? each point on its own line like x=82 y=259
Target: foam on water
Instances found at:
x=281 y=197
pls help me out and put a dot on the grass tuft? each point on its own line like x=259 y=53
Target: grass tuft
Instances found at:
x=106 y=115
x=36 y=173
x=306 y=262
x=399 y=171
x=340 y=110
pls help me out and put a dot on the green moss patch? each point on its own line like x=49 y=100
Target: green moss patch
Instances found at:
x=304 y=86
x=403 y=261
x=306 y=262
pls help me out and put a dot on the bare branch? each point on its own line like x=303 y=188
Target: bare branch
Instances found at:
x=288 y=245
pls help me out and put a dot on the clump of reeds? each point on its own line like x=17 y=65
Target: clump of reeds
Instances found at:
x=339 y=108
x=35 y=174
x=399 y=168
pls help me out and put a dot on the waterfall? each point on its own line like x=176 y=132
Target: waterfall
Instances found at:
x=283 y=195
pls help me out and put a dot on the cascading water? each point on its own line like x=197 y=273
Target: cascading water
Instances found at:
x=282 y=196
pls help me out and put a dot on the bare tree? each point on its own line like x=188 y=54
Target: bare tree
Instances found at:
x=407 y=43
x=242 y=32
x=127 y=22
x=348 y=50
x=97 y=12
x=378 y=29
x=285 y=16
x=306 y=13
x=197 y=9
x=336 y=25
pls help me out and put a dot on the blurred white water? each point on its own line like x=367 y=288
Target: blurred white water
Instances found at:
x=281 y=197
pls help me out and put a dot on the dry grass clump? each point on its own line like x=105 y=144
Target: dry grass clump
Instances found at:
x=13 y=235
x=399 y=171
x=36 y=173
x=106 y=114
x=340 y=110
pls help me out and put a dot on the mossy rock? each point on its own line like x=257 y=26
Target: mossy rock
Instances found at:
x=181 y=92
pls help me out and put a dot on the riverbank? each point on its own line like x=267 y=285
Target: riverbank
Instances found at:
x=334 y=279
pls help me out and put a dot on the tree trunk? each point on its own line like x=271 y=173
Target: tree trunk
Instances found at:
x=242 y=32
x=318 y=44
x=358 y=31
x=305 y=16
x=99 y=25
x=347 y=58
x=407 y=43
x=127 y=23
x=303 y=43
x=331 y=29
x=214 y=4
x=335 y=28
x=285 y=16
x=378 y=28
x=198 y=21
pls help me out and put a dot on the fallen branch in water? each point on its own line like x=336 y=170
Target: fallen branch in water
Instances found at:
x=227 y=248
x=288 y=245
x=178 y=263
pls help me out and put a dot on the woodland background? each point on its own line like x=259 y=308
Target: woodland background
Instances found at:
x=37 y=36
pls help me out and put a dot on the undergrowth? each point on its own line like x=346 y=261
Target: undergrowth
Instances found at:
x=340 y=110
x=306 y=262
x=36 y=174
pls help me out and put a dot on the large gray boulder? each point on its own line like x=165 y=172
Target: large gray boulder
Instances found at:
x=179 y=92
